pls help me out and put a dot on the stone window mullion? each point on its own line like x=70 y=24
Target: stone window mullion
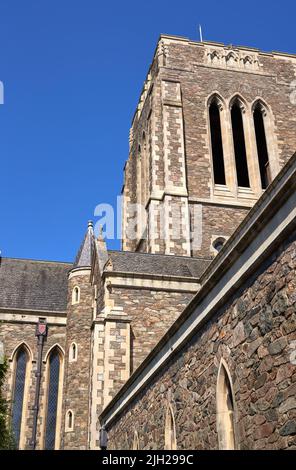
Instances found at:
x=252 y=159
x=228 y=150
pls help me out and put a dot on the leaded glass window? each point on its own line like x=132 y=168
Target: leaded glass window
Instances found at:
x=52 y=400
x=18 y=393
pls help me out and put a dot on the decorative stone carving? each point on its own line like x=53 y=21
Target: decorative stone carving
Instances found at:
x=232 y=58
x=162 y=52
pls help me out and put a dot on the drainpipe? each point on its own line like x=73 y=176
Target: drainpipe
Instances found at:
x=41 y=333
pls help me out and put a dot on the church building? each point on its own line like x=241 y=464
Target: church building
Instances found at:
x=185 y=338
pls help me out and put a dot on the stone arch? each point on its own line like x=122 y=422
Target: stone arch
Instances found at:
x=170 y=439
x=261 y=103
x=73 y=352
x=231 y=59
x=238 y=98
x=54 y=346
x=69 y=421
x=25 y=345
x=136 y=441
x=75 y=295
x=248 y=62
x=215 y=97
x=225 y=408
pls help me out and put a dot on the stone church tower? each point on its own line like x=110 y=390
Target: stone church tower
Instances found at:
x=177 y=168
x=213 y=134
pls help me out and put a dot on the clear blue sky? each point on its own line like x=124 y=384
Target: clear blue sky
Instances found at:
x=72 y=72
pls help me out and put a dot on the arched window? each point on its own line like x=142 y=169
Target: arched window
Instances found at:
x=136 y=442
x=75 y=295
x=239 y=145
x=258 y=116
x=18 y=403
x=218 y=243
x=216 y=143
x=69 y=420
x=170 y=441
x=54 y=370
x=225 y=410
x=73 y=352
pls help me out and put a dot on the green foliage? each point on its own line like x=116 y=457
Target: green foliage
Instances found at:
x=6 y=439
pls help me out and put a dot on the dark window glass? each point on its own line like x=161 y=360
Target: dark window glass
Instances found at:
x=52 y=401
x=73 y=351
x=18 y=393
x=217 y=147
x=70 y=417
x=239 y=147
x=219 y=243
x=261 y=147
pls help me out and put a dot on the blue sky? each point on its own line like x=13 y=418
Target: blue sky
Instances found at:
x=72 y=74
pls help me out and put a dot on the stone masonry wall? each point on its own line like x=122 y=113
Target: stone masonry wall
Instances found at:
x=255 y=334
x=123 y=338
x=151 y=312
x=77 y=373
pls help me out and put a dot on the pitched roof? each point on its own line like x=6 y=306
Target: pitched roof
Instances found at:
x=165 y=265
x=33 y=285
x=84 y=255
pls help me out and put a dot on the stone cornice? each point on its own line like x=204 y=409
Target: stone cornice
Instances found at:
x=41 y=313
x=9 y=315
x=185 y=40
x=151 y=281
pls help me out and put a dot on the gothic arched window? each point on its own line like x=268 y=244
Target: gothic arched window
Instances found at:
x=73 y=352
x=216 y=143
x=170 y=441
x=69 y=421
x=76 y=295
x=258 y=116
x=225 y=410
x=239 y=145
x=54 y=370
x=20 y=368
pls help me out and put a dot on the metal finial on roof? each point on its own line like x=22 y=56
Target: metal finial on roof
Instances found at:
x=90 y=223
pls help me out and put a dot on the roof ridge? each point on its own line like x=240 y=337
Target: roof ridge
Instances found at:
x=162 y=254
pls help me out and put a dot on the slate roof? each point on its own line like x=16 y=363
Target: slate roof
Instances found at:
x=84 y=255
x=146 y=263
x=33 y=285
